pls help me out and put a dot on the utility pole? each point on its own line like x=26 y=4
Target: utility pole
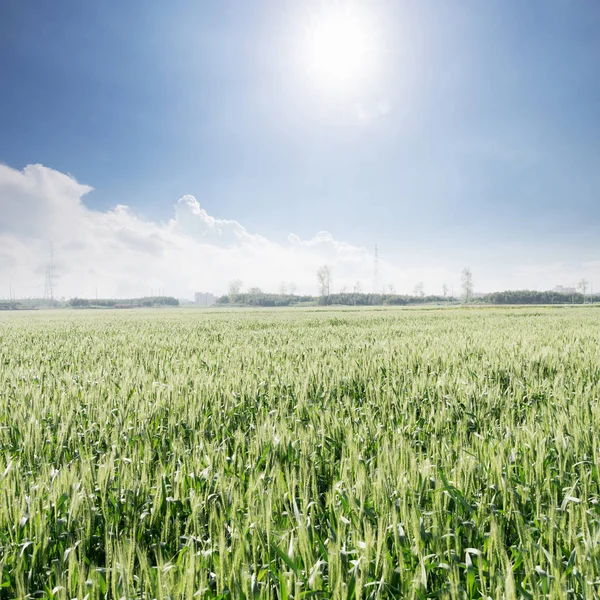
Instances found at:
x=376 y=271
x=49 y=284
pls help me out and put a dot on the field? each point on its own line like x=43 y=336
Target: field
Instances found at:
x=447 y=453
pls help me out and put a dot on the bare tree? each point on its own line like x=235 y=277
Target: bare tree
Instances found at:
x=235 y=287
x=445 y=290
x=292 y=288
x=582 y=286
x=467 y=284
x=324 y=280
x=391 y=288
x=357 y=288
x=283 y=288
x=419 y=290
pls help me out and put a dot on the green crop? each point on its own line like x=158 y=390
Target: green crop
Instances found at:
x=410 y=453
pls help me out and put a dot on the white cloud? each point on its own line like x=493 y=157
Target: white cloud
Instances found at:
x=121 y=254
x=192 y=220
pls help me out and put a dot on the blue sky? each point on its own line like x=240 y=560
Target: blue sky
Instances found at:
x=478 y=133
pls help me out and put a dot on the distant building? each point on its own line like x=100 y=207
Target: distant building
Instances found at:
x=204 y=299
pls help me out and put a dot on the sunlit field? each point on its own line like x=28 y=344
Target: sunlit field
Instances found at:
x=447 y=453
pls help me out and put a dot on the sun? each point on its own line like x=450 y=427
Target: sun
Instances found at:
x=339 y=49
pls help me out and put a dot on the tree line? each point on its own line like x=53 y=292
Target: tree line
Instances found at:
x=31 y=303
x=535 y=297
x=388 y=296
x=146 y=301
x=515 y=297
x=259 y=298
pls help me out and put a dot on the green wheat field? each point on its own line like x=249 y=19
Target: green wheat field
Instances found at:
x=391 y=453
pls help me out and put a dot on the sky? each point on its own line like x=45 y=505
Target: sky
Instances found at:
x=186 y=144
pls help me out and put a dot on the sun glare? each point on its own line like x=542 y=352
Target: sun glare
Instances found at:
x=338 y=49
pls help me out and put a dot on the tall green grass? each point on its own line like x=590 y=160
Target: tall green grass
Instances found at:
x=334 y=454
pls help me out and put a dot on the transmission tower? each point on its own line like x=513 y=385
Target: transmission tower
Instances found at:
x=49 y=286
x=376 y=271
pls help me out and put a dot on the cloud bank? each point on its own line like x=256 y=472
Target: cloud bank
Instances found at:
x=120 y=254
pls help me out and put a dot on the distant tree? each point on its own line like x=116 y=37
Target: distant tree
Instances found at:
x=324 y=280
x=78 y=302
x=235 y=287
x=391 y=288
x=582 y=286
x=445 y=290
x=467 y=284
x=357 y=288
x=283 y=288
x=419 y=290
x=255 y=291
x=292 y=288
x=533 y=297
